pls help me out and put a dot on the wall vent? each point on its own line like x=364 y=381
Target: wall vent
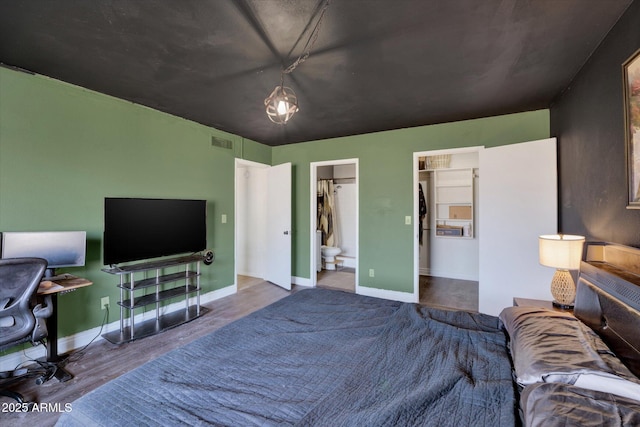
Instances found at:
x=221 y=143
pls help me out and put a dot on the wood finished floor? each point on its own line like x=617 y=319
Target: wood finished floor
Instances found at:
x=449 y=293
x=343 y=279
x=434 y=291
x=103 y=361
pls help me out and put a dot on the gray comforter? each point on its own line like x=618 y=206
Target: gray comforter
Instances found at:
x=321 y=357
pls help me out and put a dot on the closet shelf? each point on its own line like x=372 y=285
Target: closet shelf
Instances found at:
x=454 y=203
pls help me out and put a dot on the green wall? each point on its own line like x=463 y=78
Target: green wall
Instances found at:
x=63 y=149
x=386 y=176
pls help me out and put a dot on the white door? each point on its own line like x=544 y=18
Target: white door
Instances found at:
x=278 y=268
x=518 y=201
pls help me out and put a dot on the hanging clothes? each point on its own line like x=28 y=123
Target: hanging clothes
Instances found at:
x=422 y=211
x=326 y=212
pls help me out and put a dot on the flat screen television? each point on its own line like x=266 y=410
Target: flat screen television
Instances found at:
x=59 y=248
x=139 y=229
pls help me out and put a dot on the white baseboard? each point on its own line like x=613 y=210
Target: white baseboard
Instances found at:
x=386 y=294
x=82 y=338
x=301 y=281
x=250 y=273
x=347 y=261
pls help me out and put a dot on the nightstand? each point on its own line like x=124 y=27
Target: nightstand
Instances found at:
x=520 y=302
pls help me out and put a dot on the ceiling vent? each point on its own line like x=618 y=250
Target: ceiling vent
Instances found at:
x=221 y=143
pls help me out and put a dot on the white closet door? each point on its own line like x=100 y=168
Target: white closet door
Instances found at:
x=518 y=202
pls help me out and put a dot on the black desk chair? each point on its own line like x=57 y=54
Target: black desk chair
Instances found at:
x=19 y=321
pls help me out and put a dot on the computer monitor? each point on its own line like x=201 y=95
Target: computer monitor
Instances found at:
x=59 y=248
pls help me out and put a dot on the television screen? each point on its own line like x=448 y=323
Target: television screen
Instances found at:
x=59 y=248
x=139 y=229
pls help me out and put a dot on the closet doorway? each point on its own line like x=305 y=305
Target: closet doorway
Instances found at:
x=515 y=201
x=446 y=247
x=333 y=220
x=262 y=225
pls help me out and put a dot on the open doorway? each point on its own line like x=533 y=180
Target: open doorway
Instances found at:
x=262 y=223
x=446 y=254
x=334 y=224
x=250 y=214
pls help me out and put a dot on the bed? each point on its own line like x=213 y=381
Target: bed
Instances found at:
x=323 y=357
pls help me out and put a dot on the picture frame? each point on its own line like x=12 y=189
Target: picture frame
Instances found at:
x=631 y=83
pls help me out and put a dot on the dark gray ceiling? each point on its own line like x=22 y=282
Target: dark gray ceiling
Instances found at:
x=377 y=64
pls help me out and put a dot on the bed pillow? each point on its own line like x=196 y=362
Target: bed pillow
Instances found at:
x=562 y=405
x=551 y=346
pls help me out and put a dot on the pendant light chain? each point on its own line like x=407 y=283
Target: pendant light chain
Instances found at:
x=282 y=103
x=310 y=42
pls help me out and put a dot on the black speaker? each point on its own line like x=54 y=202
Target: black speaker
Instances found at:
x=209 y=257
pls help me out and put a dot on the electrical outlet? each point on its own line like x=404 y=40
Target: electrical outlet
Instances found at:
x=104 y=303
x=371 y=272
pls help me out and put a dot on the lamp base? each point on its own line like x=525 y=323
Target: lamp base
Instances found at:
x=563 y=288
x=562 y=306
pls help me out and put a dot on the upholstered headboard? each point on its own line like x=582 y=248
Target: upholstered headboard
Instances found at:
x=608 y=298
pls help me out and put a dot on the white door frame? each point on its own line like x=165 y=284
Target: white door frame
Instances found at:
x=238 y=164
x=416 y=207
x=313 y=189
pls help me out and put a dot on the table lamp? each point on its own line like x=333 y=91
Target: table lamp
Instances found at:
x=563 y=252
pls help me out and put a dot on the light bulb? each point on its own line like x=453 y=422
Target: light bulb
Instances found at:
x=282 y=107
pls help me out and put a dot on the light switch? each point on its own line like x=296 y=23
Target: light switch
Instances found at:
x=407 y=220
x=224 y=218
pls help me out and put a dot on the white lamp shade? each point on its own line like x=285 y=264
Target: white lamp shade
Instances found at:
x=563 y=251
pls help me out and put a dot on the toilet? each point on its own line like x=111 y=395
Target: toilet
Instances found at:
x=329 y=254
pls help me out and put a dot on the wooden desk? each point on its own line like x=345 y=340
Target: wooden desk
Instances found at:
x=60 y=284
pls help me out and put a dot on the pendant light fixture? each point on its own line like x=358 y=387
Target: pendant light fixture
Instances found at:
x=282 y=104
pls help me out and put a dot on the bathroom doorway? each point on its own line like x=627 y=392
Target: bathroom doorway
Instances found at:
x=334 y=217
